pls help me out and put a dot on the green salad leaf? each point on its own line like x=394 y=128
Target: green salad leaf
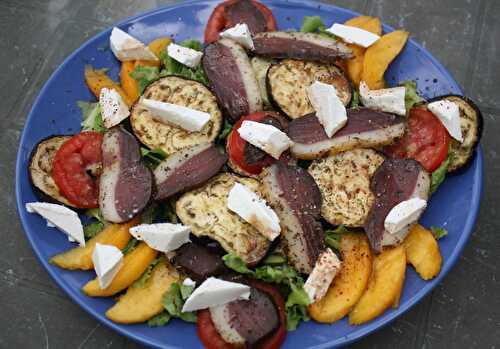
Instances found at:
x=145 y=75
x=159 y=320
x=314 y=24
x=411 y=95
x=275 y=258
x=332 y=236
x=297 y=299
x=93 y=228
x=153 y=157
x=91 y=116
x=173 y=301
x=355 y=99
x=141 y=282
x=131 y=244
x=172 y=67
x=439 y=174
x=438 y=232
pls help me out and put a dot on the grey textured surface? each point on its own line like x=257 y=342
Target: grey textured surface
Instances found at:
x=36 y=36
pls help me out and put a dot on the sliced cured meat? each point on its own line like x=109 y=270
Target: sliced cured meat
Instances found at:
x=396 y=180
x=187 y=169
x=297 y=45
x=125 y=185
x=365 y=128
x=232 y=78
x=295 y=197
x=246 y=322
x=198 y=262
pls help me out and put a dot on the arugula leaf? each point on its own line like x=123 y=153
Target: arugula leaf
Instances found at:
x=173 y=301
x=438 y=232
x=172 y=67
x=145 y=76
x=284 y=275
x=332 y=236
x=132 y=243
x=314 y=24
x=152 y=157
x=439 y=174
x=91 y=116
x=159 y=320
x=411 y=95
x=141 y=282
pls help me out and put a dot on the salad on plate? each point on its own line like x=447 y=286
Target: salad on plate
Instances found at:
x=254 y=181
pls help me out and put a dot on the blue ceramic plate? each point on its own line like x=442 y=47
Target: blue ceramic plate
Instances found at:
x=453 y=207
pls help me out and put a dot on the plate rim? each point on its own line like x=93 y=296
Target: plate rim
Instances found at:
x=370 y=327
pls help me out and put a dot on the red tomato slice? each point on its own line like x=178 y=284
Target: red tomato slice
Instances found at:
x=211 y=339
x=218 y=21
x=426 y=140
x=69 y=169
x=236 y=146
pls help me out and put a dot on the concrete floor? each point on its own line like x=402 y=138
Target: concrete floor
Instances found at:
x=36 y=36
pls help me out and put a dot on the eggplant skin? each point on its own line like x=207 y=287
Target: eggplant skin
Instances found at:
x=288 y=80
x=472 y=124
x=40 y=170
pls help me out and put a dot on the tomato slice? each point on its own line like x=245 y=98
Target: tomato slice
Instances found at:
x=211 y=339
x=218 y=20
x=71 y=163
x=426 y=140
x=236 y=145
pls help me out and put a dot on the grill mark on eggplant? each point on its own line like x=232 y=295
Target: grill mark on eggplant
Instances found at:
x=198 y=262
x=396 y=180
x=244 y=11
x=187 y=169
x=125 y=185
x=252 y=154
x=297 y=45
x=232 y=78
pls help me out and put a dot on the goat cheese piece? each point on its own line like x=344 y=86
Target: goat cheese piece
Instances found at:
x=404 y=215
x=113 y=109
x=186 y=118
x=330 y=110
x=127 y=48
x=163 y=237
x=61 y=217
x=266 y=137
x=322 y=275
x=254 y=210
x=108 y=260
x=390 y=100
x=449 y=115
x=185 y=55
x=240 y=34
x=213 y=292
x=353 y=35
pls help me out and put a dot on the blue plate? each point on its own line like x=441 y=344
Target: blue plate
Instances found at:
x=453 y=207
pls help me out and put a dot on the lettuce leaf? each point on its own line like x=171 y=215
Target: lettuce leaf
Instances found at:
x=145 y=75
x=438 y=232
x=141 y=282
x=91 y=116
x=439 y=174
x=411 y=95
x=152 y=157
x=314 y=24
x=332 y=236
x=94 y=227
x=132 y=243
x=173 y=301
x=172 y=67
x=159 y=320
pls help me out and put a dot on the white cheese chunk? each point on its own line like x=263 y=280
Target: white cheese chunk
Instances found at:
x=353 y=35
x=322 y=275
x=189 y=282
x=163 y=237
x=330 y=110
x=390 y=100
x=185 y=55
x=61 y=217
x=266 y=137
x=113 y=109
x=404 y=214
x=108 y=260
x=127 y=48
x=240 y=34
x=186 y=118
x=213 y=292
x=449 y=115
x=253 y=209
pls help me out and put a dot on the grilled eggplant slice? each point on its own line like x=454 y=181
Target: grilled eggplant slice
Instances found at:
x=187 y=169
x=288 y=80
x=344 y=182
x=180 y=91
x=232 y=78
x=205 y=211
x=471 y=123
x=365 y=128
x=260 y=67
x=396 y=180
x=293 y=194
x=40 y=170
x=126 y=184
x=297 y=45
